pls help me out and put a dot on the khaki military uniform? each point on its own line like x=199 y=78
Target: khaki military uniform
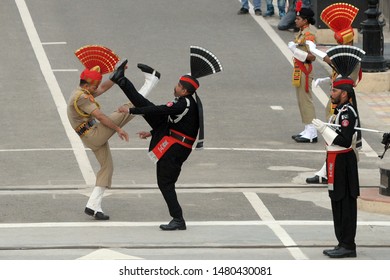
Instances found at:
x=80 y=106
x=303 y=88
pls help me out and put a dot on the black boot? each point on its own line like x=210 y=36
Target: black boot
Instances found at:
x=176 y=223
x=96 y=215
x=119 y=71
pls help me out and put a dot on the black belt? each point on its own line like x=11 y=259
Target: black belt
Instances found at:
x=84 y=127
x=181 y=138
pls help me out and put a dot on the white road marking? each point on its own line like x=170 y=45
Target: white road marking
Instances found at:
x=368 y=153
x=102 y=224
x=53 y=43
x=106 y=254
x=145 y=149
x=290 y=168
x=277 y=108
x=279 y=231
x=58 y=97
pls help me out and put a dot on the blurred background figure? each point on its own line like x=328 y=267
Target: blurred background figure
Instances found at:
x=288 y=21
x=245 y=7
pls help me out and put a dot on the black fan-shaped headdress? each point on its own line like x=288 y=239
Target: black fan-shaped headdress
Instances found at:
x=345 y=58
x=203 y=62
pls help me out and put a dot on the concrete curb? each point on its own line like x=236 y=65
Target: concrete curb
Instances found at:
x=371 y=200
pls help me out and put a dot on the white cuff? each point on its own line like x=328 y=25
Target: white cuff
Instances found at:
x=318 y=53
x=329 y=135
x=300 y=55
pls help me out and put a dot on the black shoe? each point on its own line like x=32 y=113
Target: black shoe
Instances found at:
x=326 y=251
x=242 y=11
x=295 y=136
x=148 y=69
x=341 y=252
x=306 y=140
x=258 y=12
x=175 y=224
x=316 y=180
x=269 y=14
x=97 y=215
x=119 y=71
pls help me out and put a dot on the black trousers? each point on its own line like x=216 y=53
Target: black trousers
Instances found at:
x=168 y=171
x=345 y=221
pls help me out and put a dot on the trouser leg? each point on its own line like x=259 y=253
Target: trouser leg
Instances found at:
x=337 y=218
x=305 y=101
x=138 y=100
x=345 y=221
x=104 y=157
x=168 y=171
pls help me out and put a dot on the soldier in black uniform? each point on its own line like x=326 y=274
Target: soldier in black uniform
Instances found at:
x=174 y=130
x=343 y=179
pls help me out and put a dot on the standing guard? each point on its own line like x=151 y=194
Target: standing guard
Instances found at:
x=342 y=168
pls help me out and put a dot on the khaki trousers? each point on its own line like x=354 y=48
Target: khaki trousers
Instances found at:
x=305 y=100
x=97 y=140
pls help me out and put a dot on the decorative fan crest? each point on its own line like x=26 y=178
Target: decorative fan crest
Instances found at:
x=345 y=58
x=96 y=55
x=339 y=16
x=203 y=62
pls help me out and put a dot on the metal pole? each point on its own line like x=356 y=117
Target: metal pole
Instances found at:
x=373 y=44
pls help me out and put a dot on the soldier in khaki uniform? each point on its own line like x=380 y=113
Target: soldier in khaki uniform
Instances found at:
x=83 y=111
x=302 y=74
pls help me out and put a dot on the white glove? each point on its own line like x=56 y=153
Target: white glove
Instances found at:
x=319 y=81
x=319 y=125
x=328 y=133
x=292 y=46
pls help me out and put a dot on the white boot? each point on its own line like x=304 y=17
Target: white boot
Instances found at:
x=95 y=200
x=312 y=131
x=309 y=135
x=94 y=204
x=152 y=77
x=322 y=172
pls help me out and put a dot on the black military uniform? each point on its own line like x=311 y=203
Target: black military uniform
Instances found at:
x=342 y=169
x=343 y=179
x=175 y=127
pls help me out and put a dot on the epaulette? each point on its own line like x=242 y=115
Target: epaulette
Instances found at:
x=310 y=36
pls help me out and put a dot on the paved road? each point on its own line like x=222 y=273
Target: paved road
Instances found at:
x=244 y=196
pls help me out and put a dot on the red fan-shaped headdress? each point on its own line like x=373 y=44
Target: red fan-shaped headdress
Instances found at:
x=339 y=17
x=94 y=55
